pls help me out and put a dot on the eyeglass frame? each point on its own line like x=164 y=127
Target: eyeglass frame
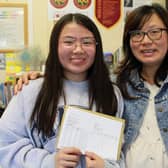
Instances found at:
x=81 y=41
x=142 y=33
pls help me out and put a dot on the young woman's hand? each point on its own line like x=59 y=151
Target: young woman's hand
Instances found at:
x=24 y=79
x=68 y=157
x=93 y=160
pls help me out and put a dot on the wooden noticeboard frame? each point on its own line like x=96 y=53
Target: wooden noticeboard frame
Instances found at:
x=14 y=26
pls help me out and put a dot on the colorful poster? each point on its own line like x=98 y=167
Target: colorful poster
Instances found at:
x=59 y=3
x=58 y=8
x=13 y=24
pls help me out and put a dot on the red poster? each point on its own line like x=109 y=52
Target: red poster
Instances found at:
x=108 y=12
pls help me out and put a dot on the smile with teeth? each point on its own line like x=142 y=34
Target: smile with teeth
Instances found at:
x=77 y=59
x=148 y=52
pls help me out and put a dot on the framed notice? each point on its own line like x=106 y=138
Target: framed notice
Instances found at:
x=14 y=26
x=91 y=131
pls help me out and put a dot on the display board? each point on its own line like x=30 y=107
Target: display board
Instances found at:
x=14 y=27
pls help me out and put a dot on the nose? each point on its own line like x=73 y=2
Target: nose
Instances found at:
x=78 y=47
x=146 y=39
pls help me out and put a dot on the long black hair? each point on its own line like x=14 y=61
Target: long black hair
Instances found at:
x=135 y=21
x=101 y=90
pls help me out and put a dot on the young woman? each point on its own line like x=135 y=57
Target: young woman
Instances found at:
x=143 y=79
x=75 y=74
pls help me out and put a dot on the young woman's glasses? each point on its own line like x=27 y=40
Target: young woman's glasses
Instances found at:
x=153 y=34
x=84 y=42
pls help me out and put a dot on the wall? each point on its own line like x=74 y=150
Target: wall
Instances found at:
x=162 y=2
x=41 y=26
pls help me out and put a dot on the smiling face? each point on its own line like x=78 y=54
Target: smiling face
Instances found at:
x=76 y=50
x=151 y=52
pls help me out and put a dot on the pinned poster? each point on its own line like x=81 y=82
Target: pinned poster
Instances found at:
x=58 y=8
x=108 y=12
x=13 y=24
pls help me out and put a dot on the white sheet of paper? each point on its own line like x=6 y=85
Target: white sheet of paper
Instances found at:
x=91 y=131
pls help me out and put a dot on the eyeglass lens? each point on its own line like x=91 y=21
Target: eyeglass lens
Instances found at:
x=154 y=34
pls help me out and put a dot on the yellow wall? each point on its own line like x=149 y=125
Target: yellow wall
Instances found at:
x=160 y=1
x=41 y=27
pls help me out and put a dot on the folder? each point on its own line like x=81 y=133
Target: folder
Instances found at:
x=91 y=131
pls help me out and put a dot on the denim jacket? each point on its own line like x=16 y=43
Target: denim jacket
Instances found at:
x=136 y=108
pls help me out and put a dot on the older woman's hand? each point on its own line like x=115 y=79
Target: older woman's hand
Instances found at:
x=24 y=79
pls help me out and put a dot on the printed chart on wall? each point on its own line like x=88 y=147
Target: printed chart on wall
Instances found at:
x=58 y=8
x=13 y=24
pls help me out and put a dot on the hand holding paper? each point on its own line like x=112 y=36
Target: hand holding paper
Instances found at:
x=91 y=131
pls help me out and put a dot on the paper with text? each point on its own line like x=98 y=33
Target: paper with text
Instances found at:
x=91 y=131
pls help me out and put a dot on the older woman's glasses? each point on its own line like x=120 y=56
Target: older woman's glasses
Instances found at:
x=84 y=42
x=153 y=34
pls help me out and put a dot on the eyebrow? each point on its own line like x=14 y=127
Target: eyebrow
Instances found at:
x=76 y=38
x=154 y=27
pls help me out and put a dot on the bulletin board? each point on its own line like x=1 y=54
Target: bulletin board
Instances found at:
x=14 y=27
